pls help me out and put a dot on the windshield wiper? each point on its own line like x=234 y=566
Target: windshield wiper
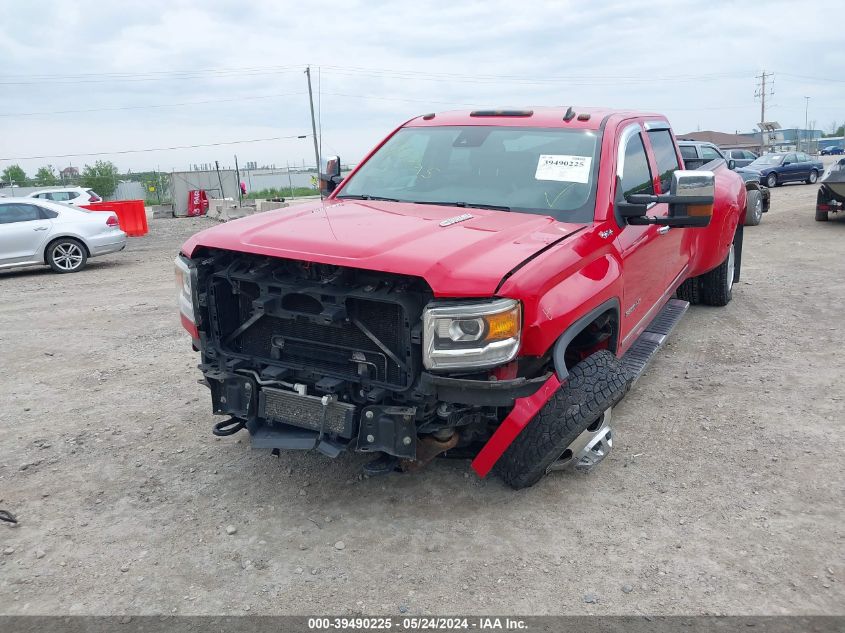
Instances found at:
x=368 y=197
x=467 y=205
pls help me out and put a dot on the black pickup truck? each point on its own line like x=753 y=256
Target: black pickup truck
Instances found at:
x=696 y=154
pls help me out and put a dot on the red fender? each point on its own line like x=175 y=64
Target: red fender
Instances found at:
x=524 y=410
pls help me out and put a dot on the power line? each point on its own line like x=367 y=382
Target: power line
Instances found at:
x=156 y=105
x=250 y=71
x=585 y=80
x=826 y=79
x=478 y=105
x=157 y=149
x=140 y=78
x=223 y=69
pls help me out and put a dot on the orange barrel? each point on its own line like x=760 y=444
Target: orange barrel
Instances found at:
x=130 y=214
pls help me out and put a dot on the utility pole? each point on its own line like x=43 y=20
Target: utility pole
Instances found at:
x=290 y=181
x=158 y=183
x=219 y=179
x=313 y=124
x=761 y=92
x=807 y=122
x=238 y=176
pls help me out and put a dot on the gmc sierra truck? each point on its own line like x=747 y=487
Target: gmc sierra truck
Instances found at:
x=484 y=284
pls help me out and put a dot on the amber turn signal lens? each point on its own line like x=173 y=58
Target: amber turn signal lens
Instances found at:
x=699 y=210
x=503 y=325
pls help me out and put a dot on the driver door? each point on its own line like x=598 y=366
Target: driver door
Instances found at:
x=790 y=169
x=650 y=254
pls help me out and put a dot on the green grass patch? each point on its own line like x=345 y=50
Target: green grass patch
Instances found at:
x=284 y=192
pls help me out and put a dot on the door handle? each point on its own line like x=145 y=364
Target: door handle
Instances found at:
x=663 y=230
x=40 y=228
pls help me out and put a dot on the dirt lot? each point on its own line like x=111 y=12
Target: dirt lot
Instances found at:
x=724 y=493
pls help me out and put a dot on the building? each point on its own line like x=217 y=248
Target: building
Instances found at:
x=787 y=139
x=69 y=173
x=723 y=140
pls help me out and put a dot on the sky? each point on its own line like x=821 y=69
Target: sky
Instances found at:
x=91 y=77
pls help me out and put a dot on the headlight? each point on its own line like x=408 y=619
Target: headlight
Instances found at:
x=471 y=335
x=184 y=284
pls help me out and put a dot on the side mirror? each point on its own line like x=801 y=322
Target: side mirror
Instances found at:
x=690 y=201
x=731 y=164
x=329 y=176
x=786 y=162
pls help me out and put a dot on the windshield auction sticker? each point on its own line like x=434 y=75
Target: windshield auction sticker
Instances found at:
x=563 y=168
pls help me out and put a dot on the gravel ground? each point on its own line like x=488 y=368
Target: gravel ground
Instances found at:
x=724 y=493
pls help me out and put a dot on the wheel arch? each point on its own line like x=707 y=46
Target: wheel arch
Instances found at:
x=611 y=307
x=64 y=236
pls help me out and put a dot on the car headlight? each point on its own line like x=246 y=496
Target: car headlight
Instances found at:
x=471 y=335
x=184 y=284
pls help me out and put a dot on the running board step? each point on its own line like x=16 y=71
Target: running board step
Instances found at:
x=639 y=355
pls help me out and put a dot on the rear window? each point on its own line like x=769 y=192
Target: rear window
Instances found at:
x=13 y=213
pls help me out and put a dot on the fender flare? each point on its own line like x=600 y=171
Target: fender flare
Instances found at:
x=558 y=355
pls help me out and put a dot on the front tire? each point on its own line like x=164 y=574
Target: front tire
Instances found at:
x=753 y=208
x=813 y=177
x=772 y=180
x=67 y=255
x=594 y=386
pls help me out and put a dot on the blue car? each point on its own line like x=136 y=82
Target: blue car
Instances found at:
x=777 y=169
x=832 y=151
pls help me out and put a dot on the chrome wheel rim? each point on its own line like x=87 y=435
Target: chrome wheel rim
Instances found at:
x=813 y=177
x=589 y=449
x=731 y=265
x=758 y=208
x=67 y=256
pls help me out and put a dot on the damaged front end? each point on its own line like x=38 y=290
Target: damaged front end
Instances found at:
x=318 y=357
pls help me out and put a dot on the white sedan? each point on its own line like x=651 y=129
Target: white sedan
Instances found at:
x=76 y=196
x=63 y=237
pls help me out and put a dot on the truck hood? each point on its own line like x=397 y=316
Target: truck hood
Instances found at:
x=467 y=258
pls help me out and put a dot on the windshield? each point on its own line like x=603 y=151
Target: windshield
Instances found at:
x=528 y=170
x=768 y=159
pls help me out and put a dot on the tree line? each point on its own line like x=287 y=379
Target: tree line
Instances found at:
x=103 y=177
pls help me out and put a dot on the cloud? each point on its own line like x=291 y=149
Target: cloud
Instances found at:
x=379 y=63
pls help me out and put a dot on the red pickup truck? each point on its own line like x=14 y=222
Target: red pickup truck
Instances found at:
x=485 y=284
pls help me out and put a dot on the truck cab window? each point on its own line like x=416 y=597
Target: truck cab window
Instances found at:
x=664 y=153
x=636 y=175
x=709 y=153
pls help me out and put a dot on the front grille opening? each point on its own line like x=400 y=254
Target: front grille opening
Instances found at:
x=317 y=321
x=301 y=303
x=339 y=349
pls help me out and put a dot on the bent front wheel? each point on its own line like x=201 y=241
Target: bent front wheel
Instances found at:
x=573 y=427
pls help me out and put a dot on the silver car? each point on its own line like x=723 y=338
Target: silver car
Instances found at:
x=63 y=237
